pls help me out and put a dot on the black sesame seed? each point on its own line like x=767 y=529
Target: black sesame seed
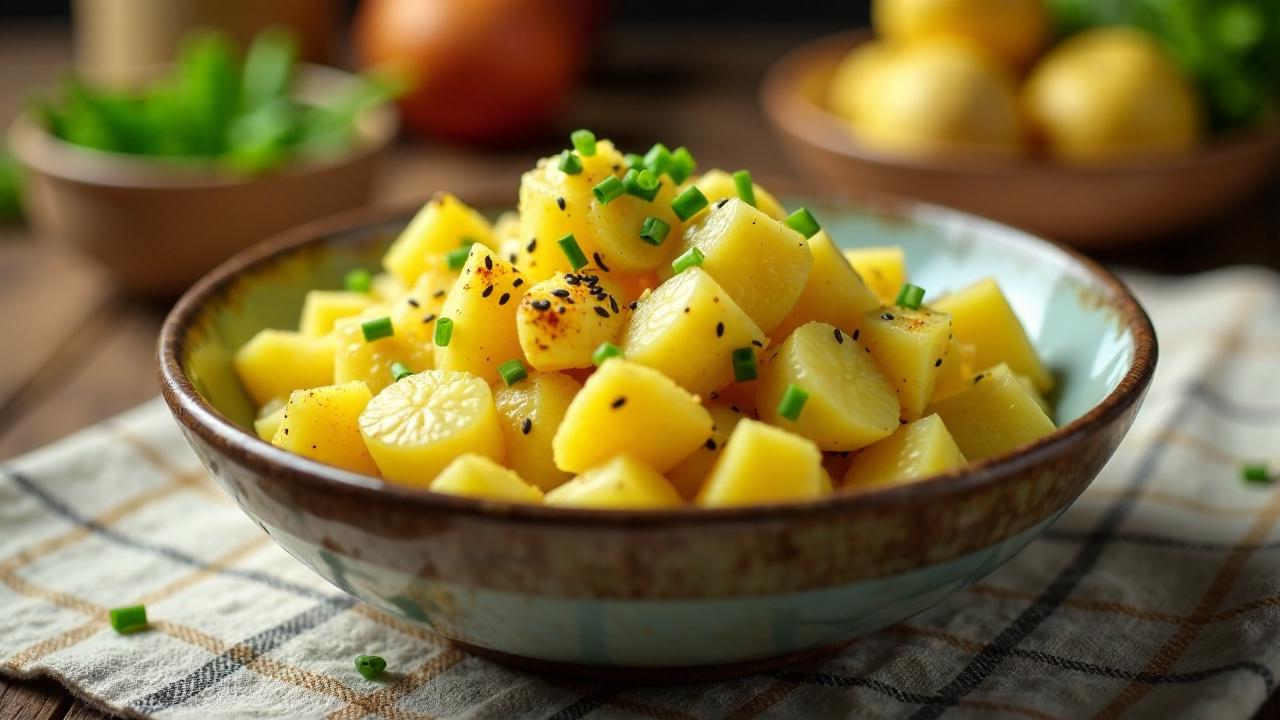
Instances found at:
x=844 y=453
x=977 y=378
x=601 y=311
x=560 y=202
x=720 y=203
x=488 y=263
x=736 y=409
x=613 y=304
x=438 y=294
x=541 y=304
x=937 y=363
x=856 y=333
x=839 y=336
x=429 y=318
x=886 y=316
x=686 y=310
x=715 y=395
x=618 y=403
x=719 y=329
x=710 y=444
x=413 y=302
x=562 y=309
x=526 y=426
x=560 y=292
x=634 y=305
x=518 y=282
x=570 y=301
x=505 y=297
x=757 y=343
x=599 y=261
x=513 y=257
x=591 y=279
x=488 y=290
x=533 y=244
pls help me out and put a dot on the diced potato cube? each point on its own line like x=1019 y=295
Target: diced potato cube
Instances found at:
x=269 y=418
x=916 y=450
x=833 y=294
x=850 y=404
x=883 y=269
x=764 y=464
x=415 y=312
x=615 y=231
x=1035 y=395
x=387 y=288
x=982 y=317
x=356 y=358
x=506 y=228
x=482 y=306
x=909 y=346
x=957 y=368
x=322 y=308
x=443 y=224
x=563 y=319
x=479 y=477
x=717 y=184
x=274 y=363
x=415 y=427
x=993 y=415
x=322 y=423
x=688 y=328
x=760 y=262
x=625 y=407
x=531 y=412
x=623 y=483
x=688 y=476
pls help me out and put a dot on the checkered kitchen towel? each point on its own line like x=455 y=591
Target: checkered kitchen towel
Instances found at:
x=1157 y=594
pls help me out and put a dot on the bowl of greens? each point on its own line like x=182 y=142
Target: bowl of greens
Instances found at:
x=161 y=182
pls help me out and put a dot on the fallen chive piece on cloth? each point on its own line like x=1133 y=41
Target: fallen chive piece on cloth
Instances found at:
x=370 y=666
x=444 y=331
x=1256 y=473
x=803 y=222
x=512 y=372
x=377 y=329
x=910 y=296
x=793 y=400
x=689 y=258
x=358 y=280
x=129 y=619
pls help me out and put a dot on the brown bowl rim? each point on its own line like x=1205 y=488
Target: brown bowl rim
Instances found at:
x=376 y=127
x=788 y=109
x=276 y=465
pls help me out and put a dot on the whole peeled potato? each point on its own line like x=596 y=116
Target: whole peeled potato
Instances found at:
x=1014 y=31
x=1111 y=93
x=481 y=71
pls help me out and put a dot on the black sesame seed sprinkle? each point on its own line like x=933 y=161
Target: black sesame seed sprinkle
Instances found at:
x=978 y=377
x=757 y=343
x=719 y=329
x=413 y=302
x=513 y=257
x=856 y=333
x=526 y=426
x=720 y=203
x=518 y=282
x=488 y=290
x=570 y=301
x=560 y=202
x=937 y=363
x=601 y=311
x=613 y=304
x=438 y=293
x=560 y=292
x=488 y=262
x=886 y=316
x=618 y=403
x=710 y=444
x=505 y=297
x=533 y=244
x=839 y=336
x=634 y=305
x=541 y=304
x=429 y=318
x=599 y=261
x=572 y=279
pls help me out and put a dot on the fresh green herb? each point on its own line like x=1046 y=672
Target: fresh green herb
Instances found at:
x=692 y=257
x=569 y=163
x=609 y=189
x=444 y=331
x=634 y=161
x=10 y=187
x=129 y=619
x=793 y=400
x=577 y=259
x=658 y=159
x=400 y=371
x=689 y=203
x=803 y=222
x=641 y=183
x=605 y=351
x=358 y=280
x=584 y=141
x=654 y=230
x=744 y=364
x=512 y=372
x=910 y=296
x=682 y=165
x=1256 y=473
x=457 y=257
x=370 y=666
x=746 y=189
x=377 y=329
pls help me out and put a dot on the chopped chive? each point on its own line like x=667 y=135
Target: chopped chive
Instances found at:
x=910 y=296
x=569 y=163
x=400 y=371
x=803 y=222
x=682 y=165
x=633 y=161
x=584 y=141
x=641 y=183
x=609 y=189
x=444 y=331
x=744 y=364
x=746 y=189
x=1256 y=473
x=457 y=257
x=654 y=230
x=793 y=400
x=689 y=258
x=129 y=619
x=512 y=372
x=605 y=351
x=377 y=329
x=689 y=203
x=358 y=280
x=577 y=259
x=370 y=666
x=658 y=159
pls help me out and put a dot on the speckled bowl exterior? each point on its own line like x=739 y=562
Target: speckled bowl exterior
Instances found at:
x=680 y=593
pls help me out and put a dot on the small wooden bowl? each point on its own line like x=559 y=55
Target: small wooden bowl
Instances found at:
x=1088 y=206
x=157 y=226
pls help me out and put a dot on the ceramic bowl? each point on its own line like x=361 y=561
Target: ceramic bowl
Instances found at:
x=156 y=227
x=1093 y=206
x=675 y=594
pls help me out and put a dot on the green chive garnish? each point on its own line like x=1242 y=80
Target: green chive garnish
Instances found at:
x=1256 y=473
x=370 y=666
x=605 y=351
x=400 y=371
x=377 y=329
x=654 y=230
x=793 y=400
x=577 y=259
x=803 y=222
x=457 y=257
x=689 y=258
x=682 y=165
x=129 y=619
x=689 y=203
x=444 y=331
x=584 y=141
x=569 y=163
x=609 y=189
x=746 y=190
x=658 y=159
x=634 y=161
x=512 y=372
x=744 y=364
x=358 y=280
x=910 y=296
x=641 y=183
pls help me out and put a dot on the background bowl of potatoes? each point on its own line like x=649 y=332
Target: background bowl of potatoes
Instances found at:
x=678 y=593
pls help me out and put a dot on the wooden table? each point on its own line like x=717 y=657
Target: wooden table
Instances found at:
x=82 y=352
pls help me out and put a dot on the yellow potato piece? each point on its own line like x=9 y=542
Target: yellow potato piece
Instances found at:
x=531 y=412
x=882 y=268
x=387 y=288
x=916 y=450
x=833 y=294
x=417 y=426
x=764 y=464
x=993 y=415
x=274 y=363
x=1035 y=394
x=563 y=319
x=416 y=311
x=910 y=347
x=482 y=306
x=322 y=308
x=957 y=368
x=269 y=418
x=688 y=328
x=982 y=317
x=443 y=224
x=688 y=476
x=850 y=405
x=625 y=407
x=718 y=184
x=623 y=483
x=322 y=424
x=479 y=477
x=1015 y=31
x=760 y=262
x=370 y=361
x=852 y=82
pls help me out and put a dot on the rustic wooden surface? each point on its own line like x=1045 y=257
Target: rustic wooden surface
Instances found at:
x=82 y=352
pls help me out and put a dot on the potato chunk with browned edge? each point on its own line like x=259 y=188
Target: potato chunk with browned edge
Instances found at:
x=763 y=464
x=993 y=415
x=322 y=423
